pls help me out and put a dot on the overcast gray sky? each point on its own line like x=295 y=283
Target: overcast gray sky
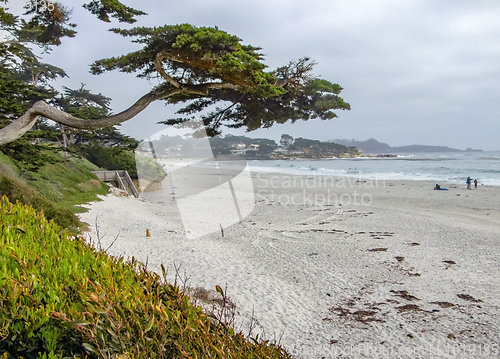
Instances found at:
x=414 y=71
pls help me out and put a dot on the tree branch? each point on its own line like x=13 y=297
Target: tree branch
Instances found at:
x=8 y=42
x=217 y=86
x=19 y=127
x=159 y=67
x=204 y=89
x=200 y=89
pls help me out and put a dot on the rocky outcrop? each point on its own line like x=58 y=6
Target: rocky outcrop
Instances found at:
x=116 y=191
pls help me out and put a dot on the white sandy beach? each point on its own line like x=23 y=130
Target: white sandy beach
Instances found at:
x=323 y=278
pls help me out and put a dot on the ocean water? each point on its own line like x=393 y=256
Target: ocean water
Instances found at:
x=442 y=167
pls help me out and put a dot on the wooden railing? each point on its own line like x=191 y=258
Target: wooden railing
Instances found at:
x=117 y=176
x=120 y=182
x=131 y=184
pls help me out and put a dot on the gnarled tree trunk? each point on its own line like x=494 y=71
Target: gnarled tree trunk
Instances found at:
x=19 y=127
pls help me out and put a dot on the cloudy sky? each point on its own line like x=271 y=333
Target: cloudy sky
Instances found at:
x=414 y=71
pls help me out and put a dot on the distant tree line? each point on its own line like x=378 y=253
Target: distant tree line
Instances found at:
x=177 y=146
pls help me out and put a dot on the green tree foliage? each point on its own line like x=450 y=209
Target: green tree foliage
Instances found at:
x=47 y=24
x=215 y=75
x=194 y=58
x=44 y=26
x=26 y=79
x=320 y=147
x=106 y=147
x=286 y=140
x=17 y=96
x=85 y=104
x=212 y=73
x=106 y=8
x=12 y=89
x=207 y=68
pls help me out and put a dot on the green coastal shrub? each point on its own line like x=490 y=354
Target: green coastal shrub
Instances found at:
x=54 y=188
x=16 y=190
x=112 y=158
x=117 y=158
x=62 y=298
x=148 y=169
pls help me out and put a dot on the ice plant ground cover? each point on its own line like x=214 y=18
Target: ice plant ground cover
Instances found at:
x=61 y=297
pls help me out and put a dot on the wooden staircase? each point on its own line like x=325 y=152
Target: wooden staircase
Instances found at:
x=121 y=177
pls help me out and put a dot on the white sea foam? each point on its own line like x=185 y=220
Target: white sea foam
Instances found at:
x=438 y=167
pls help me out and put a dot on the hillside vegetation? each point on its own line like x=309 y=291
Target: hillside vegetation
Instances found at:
x=54 y=187
x=250 y=148
x=373 y=146
x=62 y=298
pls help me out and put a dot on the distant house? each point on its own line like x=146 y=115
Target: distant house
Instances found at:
x=239 y=146
x=280 y=149
x=253 y=147
x=295 y=152
x=239 y=151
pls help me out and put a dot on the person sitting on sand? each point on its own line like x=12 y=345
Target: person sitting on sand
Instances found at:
x=438 y=187
x=475 y=183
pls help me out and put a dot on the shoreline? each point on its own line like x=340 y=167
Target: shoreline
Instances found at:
x=395 y=270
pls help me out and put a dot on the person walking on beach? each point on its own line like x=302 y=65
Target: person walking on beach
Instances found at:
x=468 y=182
x=475 y=183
